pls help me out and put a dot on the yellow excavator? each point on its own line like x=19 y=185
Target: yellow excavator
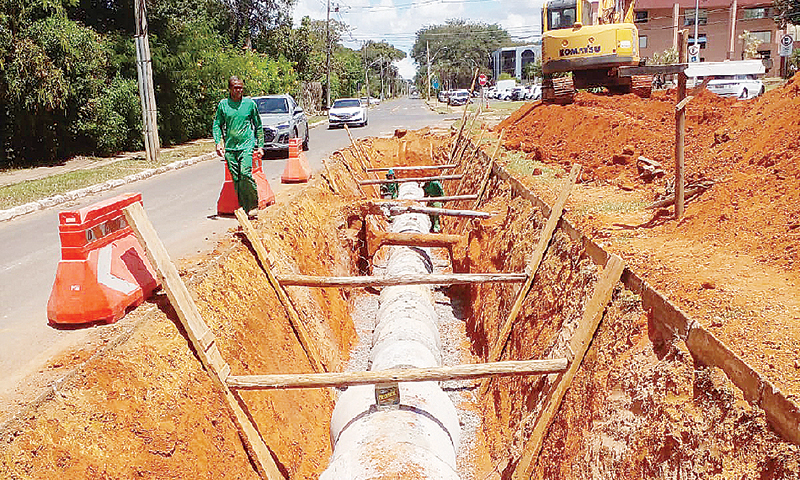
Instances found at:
x=592 y=49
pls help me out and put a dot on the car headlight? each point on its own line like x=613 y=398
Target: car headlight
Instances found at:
x=283 y=126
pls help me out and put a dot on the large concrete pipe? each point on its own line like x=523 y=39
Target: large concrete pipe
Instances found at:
x=418 y=438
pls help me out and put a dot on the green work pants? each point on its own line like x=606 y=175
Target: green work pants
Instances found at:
x=436 y=226
x=240 y=164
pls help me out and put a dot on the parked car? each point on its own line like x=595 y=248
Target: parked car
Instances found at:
x=491 y=92
x=281 y=119
x=534 y=92
x=458 y=97
x=505 y=94
x=443 y=96
x=742 y=87
x=518 y=93
x=347 y=111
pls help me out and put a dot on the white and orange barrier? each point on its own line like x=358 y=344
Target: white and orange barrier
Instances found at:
x=103 y=269
x=228 y=201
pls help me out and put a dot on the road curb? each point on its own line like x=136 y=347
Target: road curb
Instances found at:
x=18 y=211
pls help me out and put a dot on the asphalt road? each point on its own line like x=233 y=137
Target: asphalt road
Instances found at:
x=182 y=206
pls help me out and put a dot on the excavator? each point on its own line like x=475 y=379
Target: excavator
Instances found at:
x=590 y=48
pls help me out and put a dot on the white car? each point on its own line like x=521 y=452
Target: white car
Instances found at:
x=347 y=111
x=742 y=87
x=534 y=92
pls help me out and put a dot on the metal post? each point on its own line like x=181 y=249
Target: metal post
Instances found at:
x=680 y=127
x=428 y=50
x=732 y=22
x=696 y=18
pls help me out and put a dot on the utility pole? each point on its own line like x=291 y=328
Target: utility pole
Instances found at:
x=144 y=73
x=366 y=71
x=328 y=58
x=428 y=51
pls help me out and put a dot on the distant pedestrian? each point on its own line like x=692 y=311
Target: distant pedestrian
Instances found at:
x=238 y=121
x=434 y=189
x=389 y=190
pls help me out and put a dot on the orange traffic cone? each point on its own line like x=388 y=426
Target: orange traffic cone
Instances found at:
x=228 y=200
x=297 y=169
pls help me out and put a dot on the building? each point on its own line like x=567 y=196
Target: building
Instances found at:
x=513 y=60
x=719 y=25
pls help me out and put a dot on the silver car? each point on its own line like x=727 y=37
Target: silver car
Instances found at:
x=282 y=119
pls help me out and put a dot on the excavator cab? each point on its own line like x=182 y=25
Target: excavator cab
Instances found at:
x=590 y=48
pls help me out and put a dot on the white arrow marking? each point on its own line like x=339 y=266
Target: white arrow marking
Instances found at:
x=104 y=276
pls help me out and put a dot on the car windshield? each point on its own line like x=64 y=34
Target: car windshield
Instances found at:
x=346 y=103
x=272 y=105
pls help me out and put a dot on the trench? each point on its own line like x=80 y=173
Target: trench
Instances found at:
x=640 y=406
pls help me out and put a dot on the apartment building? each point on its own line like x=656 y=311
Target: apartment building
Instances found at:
x=719 y=25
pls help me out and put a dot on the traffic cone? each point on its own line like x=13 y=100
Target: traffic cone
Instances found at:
x=297 y=169
x=266 y=196
x=228 y=200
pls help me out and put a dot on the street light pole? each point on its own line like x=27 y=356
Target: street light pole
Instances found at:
x=428 y=50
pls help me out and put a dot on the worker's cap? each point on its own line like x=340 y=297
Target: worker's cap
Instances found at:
x=390 y=172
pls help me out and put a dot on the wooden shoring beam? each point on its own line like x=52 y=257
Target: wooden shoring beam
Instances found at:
x=412 y=179
x=488 y=173
x=200 y=337
x=579 y=345
x=298 y=326
x=533 y=266
x=388 y=281
x=432 y=374
x=399 y=208
x=451 y=198
x=376 y=239
x=413 y=167
x=359 y=150
x=463 y=120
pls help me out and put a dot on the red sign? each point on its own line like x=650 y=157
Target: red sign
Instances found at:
x=482 y=79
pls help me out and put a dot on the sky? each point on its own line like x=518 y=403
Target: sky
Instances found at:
x=397 y=21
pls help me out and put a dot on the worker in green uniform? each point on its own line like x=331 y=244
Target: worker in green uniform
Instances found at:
x=389 y=190
x=434 y=189
x=238 y=121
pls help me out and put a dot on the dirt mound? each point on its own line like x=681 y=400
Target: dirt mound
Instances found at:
x=751 y=148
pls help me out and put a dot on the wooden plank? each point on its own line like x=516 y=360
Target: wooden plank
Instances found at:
x=381 y=181
x=451 y=198
x=463 y=119
x=294 y=318
x=358 y=149
x=433 y=374
x=533 y=266
x=413 y=167
x=653 y=69
x=488 y=172
x=388 y=281
x=579 y=344
x=376 y=239
x=680 y=129
x=196 y=329
x=398 y=209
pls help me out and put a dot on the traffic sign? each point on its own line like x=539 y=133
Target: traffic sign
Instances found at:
x=436 y=84
x=694 y=53
x=482 y=79
x=786 y=45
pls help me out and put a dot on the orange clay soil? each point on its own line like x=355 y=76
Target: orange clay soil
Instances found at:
x=732 y=262
x=147 y=409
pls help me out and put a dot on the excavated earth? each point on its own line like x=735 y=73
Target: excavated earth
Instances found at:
x=640 y=406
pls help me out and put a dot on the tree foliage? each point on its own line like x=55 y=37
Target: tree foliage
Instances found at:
x=68 y=77
x=456 y=48
x=786 y=11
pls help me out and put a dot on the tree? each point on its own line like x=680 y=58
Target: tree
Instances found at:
x=457 y=48
x=749 y=45
x=787 y=11
x=251 y=17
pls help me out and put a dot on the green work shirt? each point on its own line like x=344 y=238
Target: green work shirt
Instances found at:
x=389 y=190
x=240 y=123
x=433 y=189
